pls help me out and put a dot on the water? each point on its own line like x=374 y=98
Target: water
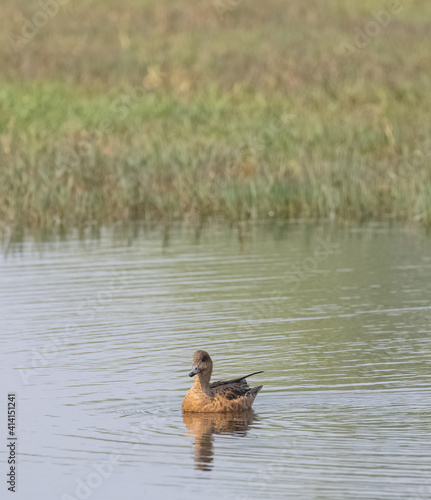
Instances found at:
x=98 y=336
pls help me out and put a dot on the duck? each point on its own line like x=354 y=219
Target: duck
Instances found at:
x=219 y=397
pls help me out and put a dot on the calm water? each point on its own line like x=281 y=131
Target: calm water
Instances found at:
x=98 y=336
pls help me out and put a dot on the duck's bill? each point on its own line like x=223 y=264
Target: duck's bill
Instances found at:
x=195 y=371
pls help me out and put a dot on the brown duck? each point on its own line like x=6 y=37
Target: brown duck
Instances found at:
x=222 y=396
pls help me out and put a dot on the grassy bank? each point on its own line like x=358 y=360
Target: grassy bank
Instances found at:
x=188 y=111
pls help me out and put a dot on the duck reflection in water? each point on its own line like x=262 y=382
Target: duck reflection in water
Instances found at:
x=204 y=425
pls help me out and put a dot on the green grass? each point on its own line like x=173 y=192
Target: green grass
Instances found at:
x=161 y=110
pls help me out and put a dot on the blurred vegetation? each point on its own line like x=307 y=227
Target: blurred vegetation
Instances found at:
x=235 y=109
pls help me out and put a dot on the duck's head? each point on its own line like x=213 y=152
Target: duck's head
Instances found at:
x=202 y=363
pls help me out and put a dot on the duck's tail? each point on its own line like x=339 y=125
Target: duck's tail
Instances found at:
x=255 y=390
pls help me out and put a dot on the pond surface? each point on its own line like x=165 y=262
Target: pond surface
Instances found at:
x=98 y=336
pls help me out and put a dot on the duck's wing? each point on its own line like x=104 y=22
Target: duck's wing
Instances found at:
x=232 y=390
x=241 y=381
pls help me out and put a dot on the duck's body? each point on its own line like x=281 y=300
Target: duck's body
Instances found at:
x=222 y=396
